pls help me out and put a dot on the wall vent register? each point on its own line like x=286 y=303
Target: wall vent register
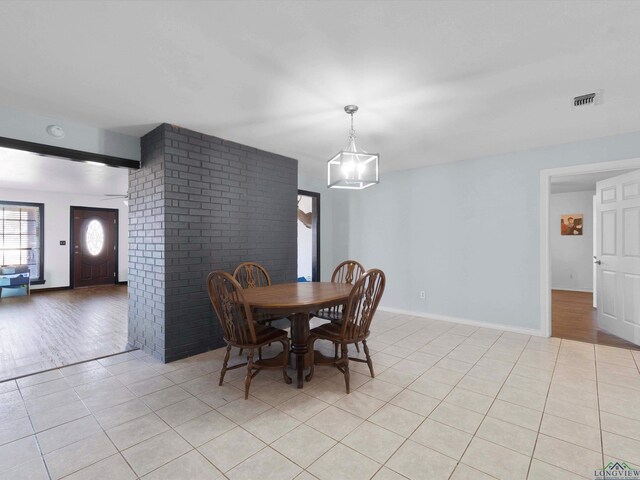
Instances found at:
x=594 y=98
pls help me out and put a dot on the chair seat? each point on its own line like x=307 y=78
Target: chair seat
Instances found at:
x=267 y=334
x=328 y=331
x=331 y=331
x=332 y=314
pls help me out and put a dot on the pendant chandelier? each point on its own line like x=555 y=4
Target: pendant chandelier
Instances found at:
x=352 y=168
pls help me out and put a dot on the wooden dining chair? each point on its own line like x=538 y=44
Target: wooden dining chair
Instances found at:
x=358 y=314
x=240 y=330
x=252 y=275
x=349 y=272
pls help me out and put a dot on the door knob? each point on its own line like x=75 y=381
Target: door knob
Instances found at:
x=598 y=262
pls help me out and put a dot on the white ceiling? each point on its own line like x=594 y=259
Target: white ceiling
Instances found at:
x=29 y=171
x=436 y=81
x=585 y=182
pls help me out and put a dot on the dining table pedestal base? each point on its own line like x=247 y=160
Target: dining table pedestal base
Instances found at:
x=299 y=346
x=297 y=301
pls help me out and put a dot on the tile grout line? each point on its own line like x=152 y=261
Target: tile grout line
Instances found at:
x=383 y=464
x=35 y=436
x=214 y=409
x=441 y=400
x=636 y=360
x=494 y=398
x=490 y=406
x=338 y=442
x=386 y=402
x=91 y=414
x=544 y=408
x=170 y=428
x=595 y=357
x=573 y=421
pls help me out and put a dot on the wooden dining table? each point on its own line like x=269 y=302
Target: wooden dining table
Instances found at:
x=297 y=301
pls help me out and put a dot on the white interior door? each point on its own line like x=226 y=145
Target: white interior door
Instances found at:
x=618 y=255
x=594 y=215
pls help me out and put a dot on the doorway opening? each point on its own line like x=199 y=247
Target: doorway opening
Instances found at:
x=308 y=236
x=40 y=189
x=93 y=247
x=577 y=234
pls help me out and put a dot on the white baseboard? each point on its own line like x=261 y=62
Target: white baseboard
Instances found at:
x=464 y=321
x=573 y=289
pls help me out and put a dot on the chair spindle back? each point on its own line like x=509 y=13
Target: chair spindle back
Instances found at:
x=251 y=275
x=233 y=312
x=348 y=271
x=362 y=304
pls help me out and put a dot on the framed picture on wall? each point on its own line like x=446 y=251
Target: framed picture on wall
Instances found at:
x=571 y=224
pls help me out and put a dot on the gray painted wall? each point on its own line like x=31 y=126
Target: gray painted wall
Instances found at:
x=218 y=203
x=467 y=232
x=147 y=256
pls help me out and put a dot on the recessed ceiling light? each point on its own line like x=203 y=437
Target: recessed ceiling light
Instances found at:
x=91 y=162
x=56 y=131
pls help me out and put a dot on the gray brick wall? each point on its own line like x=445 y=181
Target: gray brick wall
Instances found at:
x=220 y=203
x=147 y=283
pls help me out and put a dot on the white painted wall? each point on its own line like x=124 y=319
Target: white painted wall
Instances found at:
x=56 y=228
x=32 y=128
x=466 y=232
x=571 y=256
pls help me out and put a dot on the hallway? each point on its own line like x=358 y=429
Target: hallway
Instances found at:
x=574 y=318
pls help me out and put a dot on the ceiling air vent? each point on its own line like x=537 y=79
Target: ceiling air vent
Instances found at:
x=594 y=98
x=584 y=99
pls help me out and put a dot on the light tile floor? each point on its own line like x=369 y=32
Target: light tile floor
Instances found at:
x=449 y=401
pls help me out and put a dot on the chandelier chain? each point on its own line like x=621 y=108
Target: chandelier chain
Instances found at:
x=352 y=132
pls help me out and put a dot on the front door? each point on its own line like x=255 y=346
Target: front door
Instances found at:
x=94 y=246
x=618 y=255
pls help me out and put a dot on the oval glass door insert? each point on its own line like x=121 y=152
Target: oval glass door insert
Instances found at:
x=95 y=237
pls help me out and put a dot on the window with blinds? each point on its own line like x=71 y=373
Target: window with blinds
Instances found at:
x=22 y=236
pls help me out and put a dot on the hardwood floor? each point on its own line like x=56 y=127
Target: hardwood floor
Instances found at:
x=50 y=329
x=574 y=318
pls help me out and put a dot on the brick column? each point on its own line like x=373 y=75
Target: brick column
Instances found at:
x=201 y=203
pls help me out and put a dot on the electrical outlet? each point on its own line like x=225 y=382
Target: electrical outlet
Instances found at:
x=423 y=294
